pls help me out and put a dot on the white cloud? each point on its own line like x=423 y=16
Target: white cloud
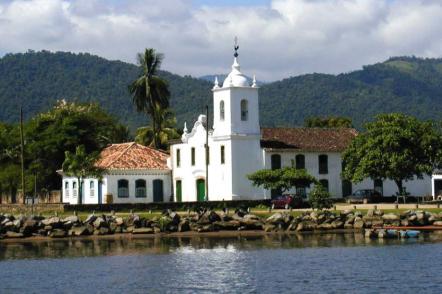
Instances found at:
x=286 y=38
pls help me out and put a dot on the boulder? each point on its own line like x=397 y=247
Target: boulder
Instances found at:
x=183 y=226
x=175 y=218
x=251 y=217
x=79 y=231
x=99 y=222
x=213 y=217
x=337 y=224
x=102 y=231
x=232 y=225
x=90 y=219
x=358 y=223
x=437 y=223
x=58 y=233
x=72 y=219
x=371 y=234
x=29 y=227
x=143 y=231
x=119 y=221
x=269 y=228
x=205 y=228
x=11 y=235
x=276 y=218
x=54 y=221
x=390 y=217
x=325 y=226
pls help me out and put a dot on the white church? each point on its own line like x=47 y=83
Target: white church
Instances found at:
x=236 y=147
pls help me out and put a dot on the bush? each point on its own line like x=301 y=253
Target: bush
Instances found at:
x=319 y=198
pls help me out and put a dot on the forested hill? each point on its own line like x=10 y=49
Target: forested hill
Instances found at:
x=401 y=84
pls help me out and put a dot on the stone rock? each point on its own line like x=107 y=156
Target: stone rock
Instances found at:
x=29 y=227
x=72 y=218
x=183 y=226
x=238 y=217
x=205 y=228
x=348 y=226
x=99 y=223
x=325 y=226
x=11 y=235
x=214 y=217
x=437 y=223
x=370 y=213
x=371 y=234
x=52 y=221
x=143 y=231
x=227 y=226
x=57 y=233
x=337 y=224
x=79 y=231
x=156 y=230
x=269 y=228
x=119 y=221
x=276 y=218
x=405 y=223
x=350 y=220
x=306 y=226
x=130 y=229
x=90 y=219
x=251 y=217
x=390 y=217
x=358 y=223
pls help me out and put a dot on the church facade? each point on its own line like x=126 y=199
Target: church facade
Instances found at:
x=212 y=163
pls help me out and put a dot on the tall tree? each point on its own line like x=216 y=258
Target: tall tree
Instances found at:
x=81 y=165
x=145 y=135
x=150 y=93
x=396 y=147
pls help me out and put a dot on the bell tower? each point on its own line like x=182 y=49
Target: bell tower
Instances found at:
x=236 y=127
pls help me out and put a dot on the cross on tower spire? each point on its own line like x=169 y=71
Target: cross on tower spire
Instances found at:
x=236 y=47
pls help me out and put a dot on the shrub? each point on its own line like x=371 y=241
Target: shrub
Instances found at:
x=319 y=198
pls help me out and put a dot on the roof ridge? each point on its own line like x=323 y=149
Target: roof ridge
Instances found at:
x=122 y=153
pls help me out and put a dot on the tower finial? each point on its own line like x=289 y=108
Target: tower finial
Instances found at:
x=236 y=46
x=216 y=84
x=254 y=81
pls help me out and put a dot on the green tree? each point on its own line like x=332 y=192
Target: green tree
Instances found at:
x=150 y=93
x=167 y=131
x=328 y=122
x=81 y=165
x=396 y=147
x=282 y=179
x=319 y=198
x=63 y=128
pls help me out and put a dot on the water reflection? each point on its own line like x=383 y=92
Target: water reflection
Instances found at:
x=167 y=245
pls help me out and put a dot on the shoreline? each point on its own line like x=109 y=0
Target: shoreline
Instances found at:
x=188 y=234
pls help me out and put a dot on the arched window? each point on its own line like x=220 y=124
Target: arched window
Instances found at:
x=324 y=183
x=300 y=161
x=244 y=110
x=74 y=189
x=275 y=161
x=66 y=189
x=140 y=188
x=123 y=188
x=221 y=110
x=91 y=188
x=323 y=164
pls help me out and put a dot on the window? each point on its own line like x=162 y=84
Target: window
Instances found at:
x=178 y=158
x=221 y=110
x=192 y=155
x=74 y=189
x=324 y=183
x=91 y=188
x=66 y=189
x=301 y=191
x=140 y=188
x=275 y=161
x=300 y=161
x=379 y=186
x=323 y=164
x=346 y=188
x=223 y=156
x=123 y=188
x=244 y=110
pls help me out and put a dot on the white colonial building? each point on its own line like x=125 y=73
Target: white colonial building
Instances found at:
x=133 y=174
x=236 y=146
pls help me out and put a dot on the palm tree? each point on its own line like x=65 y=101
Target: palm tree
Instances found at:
x=81 y=165
x=150 y=93
x=166 y=127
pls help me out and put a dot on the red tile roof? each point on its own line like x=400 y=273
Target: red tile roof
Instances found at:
x=307 y=139
x=132 y=156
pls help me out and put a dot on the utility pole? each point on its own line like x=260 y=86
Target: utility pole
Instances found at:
x=35 y=192
x=22 y=156
x=207 y=153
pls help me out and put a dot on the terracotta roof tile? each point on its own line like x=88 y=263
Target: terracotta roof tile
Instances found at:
x=132 y=156
x=307 y=139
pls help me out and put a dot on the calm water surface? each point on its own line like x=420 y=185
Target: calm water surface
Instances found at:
x=328 y=263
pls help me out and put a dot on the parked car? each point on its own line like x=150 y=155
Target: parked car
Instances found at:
x=286 y=201
x=364 y=196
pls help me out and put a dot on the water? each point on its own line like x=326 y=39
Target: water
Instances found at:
x=327 y=263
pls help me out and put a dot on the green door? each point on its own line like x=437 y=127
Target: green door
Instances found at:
x=200 y=190
x=178 y=191
x=158 y=191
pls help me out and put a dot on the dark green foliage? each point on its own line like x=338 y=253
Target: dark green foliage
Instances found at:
x=39 y=79
x=328 y=122
x=319 y=198
x=281 y=179
x=402 y=84
x=396 y=147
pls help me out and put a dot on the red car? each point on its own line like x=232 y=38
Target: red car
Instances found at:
x=286 y=201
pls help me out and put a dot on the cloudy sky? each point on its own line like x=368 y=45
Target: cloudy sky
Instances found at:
x=278 y=38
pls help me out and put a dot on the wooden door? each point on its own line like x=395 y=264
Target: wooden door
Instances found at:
x=158 y=195
x=200 y=190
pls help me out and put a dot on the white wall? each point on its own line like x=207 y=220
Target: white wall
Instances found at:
x=110 y=186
